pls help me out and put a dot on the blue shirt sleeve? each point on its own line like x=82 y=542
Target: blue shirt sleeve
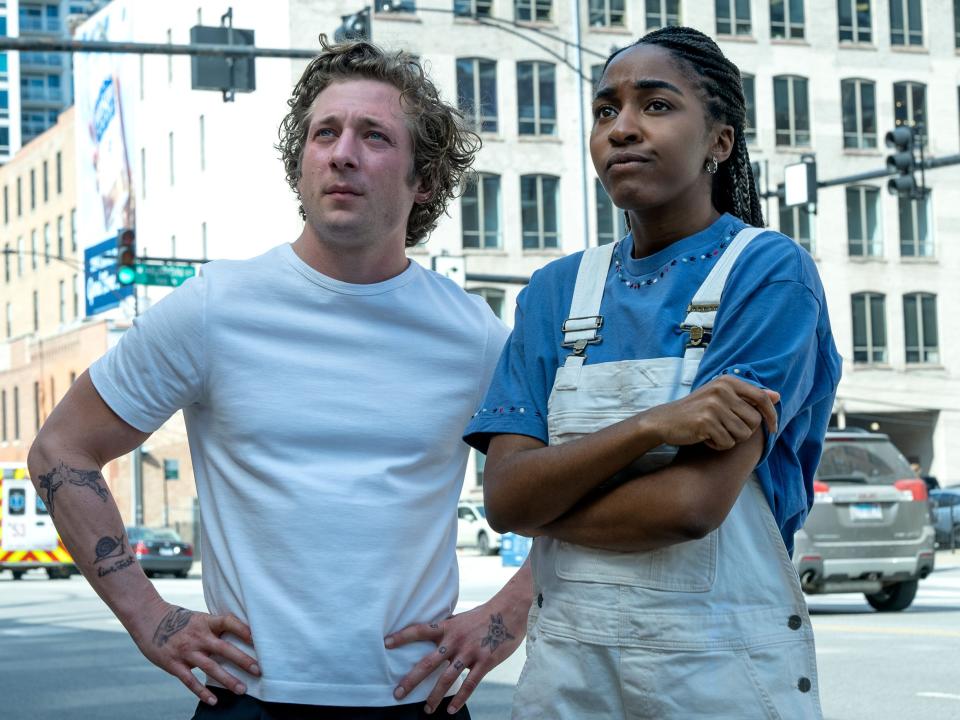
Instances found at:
x=516 y=402
x=772 y=330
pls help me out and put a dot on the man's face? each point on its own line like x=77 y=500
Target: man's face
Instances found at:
x=357 y=185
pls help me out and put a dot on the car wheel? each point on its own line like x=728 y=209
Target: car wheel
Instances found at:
x=483 y=544
x=894 y=598
x=17 y=574
x=180 y=574
x=58 y=574
x=149 y=573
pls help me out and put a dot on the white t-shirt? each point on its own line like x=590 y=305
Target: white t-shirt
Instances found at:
x=325 y=421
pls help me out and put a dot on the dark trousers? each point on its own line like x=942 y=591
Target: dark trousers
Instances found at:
x=245 y=707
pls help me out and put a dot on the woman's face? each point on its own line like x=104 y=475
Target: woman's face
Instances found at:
x=650 y=137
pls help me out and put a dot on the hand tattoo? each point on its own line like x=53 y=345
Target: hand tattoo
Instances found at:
x=434 y=626
x=497 y=633
x=109 y=547
x=458 y=665
x=442 y=649
x=119 y=565
x=47 y=482
x=172 y=623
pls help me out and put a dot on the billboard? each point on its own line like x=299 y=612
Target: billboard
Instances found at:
x=104 y=127
x=101 y=290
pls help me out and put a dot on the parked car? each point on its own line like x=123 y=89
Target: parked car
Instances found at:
x=870 y=528
x=474 y=531
x=160 y=550
x=946 y=511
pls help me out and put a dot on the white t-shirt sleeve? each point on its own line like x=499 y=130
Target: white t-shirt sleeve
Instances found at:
x=157 y=367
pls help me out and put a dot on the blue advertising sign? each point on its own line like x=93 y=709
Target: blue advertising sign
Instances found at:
x=101 y=289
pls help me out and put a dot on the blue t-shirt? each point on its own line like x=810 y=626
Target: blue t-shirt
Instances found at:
x=772 y=328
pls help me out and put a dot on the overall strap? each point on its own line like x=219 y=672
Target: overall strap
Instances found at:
x=702 y=310
x=582 y=325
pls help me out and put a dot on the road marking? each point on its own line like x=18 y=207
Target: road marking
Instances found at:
x=874 y=630
x=939 y=695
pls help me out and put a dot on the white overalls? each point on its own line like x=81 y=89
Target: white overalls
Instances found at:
x=713 y=628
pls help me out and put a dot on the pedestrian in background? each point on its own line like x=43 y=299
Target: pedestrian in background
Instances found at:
x=664 y=583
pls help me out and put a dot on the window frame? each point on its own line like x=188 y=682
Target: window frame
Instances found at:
x=855 y=29
x=541 y=234
x=789 y=27
x=603 y=204
x=919 y=220
x=734 y=20
x=473 y=108
x=871 y=247
x=925 y=354
x=876 y=354
x=908 y=32
x=535 y=11
x=606 y=14
x=863 y=140
x=662 y=13
x=476 y=182
x=538 y=120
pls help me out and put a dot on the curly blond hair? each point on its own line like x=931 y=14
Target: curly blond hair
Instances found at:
x=443 y=146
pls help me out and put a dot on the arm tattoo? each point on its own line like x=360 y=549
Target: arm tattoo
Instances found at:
x=118 y=565
x=172 y=623
x=53 y=481
x=109 y=547
x=50 y=483
x=496 y=634
x=90 y=479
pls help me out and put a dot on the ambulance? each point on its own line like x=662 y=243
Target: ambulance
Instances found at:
x=28 y=538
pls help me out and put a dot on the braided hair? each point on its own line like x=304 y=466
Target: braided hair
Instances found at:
x=721 y=87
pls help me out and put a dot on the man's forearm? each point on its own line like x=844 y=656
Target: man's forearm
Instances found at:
x=89 y=523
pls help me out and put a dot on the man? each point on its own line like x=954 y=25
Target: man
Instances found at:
x=325 y=386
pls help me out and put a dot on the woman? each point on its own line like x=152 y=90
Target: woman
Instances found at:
x=665 y=587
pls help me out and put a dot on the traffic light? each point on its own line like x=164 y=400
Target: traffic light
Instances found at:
x=354 y=27
x=126 y=256
x=902 y=140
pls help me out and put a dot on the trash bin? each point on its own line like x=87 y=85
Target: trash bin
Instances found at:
x=514 y=549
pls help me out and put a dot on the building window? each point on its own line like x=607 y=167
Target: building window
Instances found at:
x=394 y=6
x=480 y=210
x=495 y=298
x=480 y=460
x=915 y=240
x=473 y=8
x=906 y=22
x=20 y=252
x=533 y=10
x=46 y=243
x=477 y=92
x=607 y=13
x=733 y=17
x=795 y=223
x=750 y=120
x=33 y=249
x=910 y=106
x=36 y=407
x=203 y=144
x=16 y=413
x=19 y=198
x=538 y=211
x=920 y=328
x=611 y=224
x=60 y=236
x=859 y=104
x=869 y=328
x=36 y=311
x=4 y=103
x=863 y=226
x=73 y=230
x=76 y=297
x=59 y=172
x=956 y=23
x=63 y=301
x=786 y=19
x=854 y=21
x=33 y=188
x=791 y=112
x=536 y=98
x=662 y=13
x=46 y=181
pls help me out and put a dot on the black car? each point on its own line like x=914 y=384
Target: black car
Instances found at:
x=161 y=550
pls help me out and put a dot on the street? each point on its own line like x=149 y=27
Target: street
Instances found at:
x=63 y=655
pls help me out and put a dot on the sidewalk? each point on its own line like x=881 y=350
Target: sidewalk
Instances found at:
x=947 y=559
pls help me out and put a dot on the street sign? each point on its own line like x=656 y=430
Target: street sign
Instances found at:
x=101 y=289
x=165 y=275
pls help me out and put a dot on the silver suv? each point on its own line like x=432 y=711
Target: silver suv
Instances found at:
x=869 y=529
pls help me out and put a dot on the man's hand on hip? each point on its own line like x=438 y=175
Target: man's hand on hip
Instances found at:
x=177 y=640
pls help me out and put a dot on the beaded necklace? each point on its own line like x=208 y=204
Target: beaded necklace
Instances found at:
x=659 y=274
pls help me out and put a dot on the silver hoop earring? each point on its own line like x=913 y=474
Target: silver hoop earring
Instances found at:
x=711 y=166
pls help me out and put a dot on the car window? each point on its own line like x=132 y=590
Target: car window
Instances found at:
x=165 y=534
x=464 y=513
x=870 y=462
x=946 y=499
